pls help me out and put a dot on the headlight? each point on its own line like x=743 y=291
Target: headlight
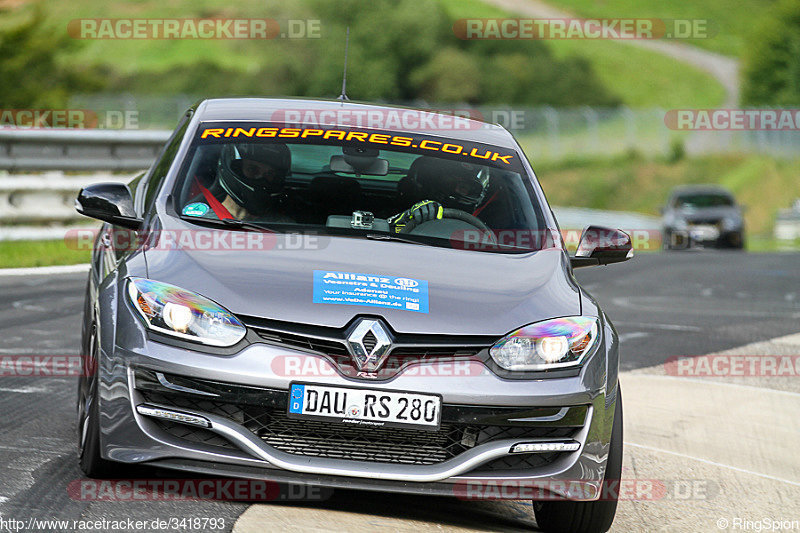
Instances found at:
x=173 y=311
x=730 y=223
x=555 y=343
x=680 y=223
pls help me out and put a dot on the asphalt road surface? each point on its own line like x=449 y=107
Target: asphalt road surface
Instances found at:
x=662 y=304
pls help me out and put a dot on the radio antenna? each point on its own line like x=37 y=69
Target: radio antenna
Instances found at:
x=343 y=96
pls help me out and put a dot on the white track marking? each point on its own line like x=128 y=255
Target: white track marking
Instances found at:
x=45 y=271
x=713 y=463
x=632 y=335
x=656 y=325
x=25 y=390
x=793 y=339
x=712 y=381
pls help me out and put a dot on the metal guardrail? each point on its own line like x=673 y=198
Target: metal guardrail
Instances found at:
x=46 y=197
x=27 y=195
x=71 y=149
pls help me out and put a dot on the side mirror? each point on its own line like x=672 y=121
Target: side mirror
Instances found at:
x=602 y=246
x=110 y=202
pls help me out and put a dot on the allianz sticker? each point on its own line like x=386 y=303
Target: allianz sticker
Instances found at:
x=196 y=209
x=355 y=288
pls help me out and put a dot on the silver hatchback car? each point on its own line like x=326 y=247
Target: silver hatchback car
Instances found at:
x=382 y=304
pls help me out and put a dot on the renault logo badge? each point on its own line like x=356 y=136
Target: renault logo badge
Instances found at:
x=369 y=343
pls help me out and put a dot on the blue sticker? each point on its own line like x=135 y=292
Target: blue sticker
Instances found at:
x=296 y=398
x=196 y=209
x=352 y=288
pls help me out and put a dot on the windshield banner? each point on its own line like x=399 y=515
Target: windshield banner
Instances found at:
x=460 y=149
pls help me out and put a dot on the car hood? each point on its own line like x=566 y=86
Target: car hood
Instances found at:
x=469 y=292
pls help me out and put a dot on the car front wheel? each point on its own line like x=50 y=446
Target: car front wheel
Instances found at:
x=594 y=516
x=91 y=462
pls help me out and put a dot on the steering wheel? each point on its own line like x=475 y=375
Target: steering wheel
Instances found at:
x=456 y=214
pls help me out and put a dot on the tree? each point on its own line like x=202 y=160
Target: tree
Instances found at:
x=30 y=74
x=772 y=64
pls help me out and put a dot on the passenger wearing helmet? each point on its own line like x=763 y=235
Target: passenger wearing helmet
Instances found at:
x=444 y=184
x=251 y=177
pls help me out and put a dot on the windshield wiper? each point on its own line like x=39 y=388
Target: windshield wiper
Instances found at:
x=391 y=237
x=496 y=247
x=236 y=223
x=231 y=223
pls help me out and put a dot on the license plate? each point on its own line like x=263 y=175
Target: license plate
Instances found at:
x=364 y=407
x=704 y=232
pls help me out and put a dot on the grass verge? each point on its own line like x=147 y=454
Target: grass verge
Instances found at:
x=633 y=183
x=19 y=254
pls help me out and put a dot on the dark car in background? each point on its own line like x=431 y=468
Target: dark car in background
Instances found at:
x=431 y=250
x=702 y=216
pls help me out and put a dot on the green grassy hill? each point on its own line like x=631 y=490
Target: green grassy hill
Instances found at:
x=639 y=78
x=729 y=20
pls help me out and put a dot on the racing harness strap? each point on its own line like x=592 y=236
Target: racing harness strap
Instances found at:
x=220 y=210
x=481 y=208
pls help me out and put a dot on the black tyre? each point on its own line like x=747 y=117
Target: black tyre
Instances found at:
x=91 y=462
x=587 y=517
x=736 y=242
x=666 y=240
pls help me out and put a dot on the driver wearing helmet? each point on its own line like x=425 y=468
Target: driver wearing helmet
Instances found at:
x=444 y=184
x=251 y=178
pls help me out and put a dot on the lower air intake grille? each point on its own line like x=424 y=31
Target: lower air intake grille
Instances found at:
x=314 y=438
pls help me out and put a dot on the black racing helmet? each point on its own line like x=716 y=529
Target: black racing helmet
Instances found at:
x=252 y=174
x=454 y=184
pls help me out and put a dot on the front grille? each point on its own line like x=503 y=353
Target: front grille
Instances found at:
x=381 y=445
x=314 y=438
x=705 y=221
x=332 y=341
x=324 y=346
x=407 y=349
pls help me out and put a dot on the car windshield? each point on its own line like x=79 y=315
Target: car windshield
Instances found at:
x=703 y=200
x=432 y=190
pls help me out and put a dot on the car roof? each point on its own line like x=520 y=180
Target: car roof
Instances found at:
x=262 y=109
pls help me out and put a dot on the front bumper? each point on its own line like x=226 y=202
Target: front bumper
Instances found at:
x=576 y=408
x=704 y=236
